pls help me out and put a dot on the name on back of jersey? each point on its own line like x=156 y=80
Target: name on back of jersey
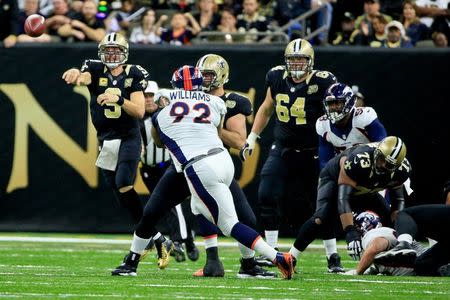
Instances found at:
x=189 y=95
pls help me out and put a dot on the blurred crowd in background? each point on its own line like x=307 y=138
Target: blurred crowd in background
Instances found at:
x=372 y=23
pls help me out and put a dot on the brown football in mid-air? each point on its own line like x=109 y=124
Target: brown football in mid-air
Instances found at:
x=34 y=25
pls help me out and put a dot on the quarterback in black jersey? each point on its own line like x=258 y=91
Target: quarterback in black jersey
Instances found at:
x=351 y=182
x=215 y=71
x=117 y=102
x=295 y=93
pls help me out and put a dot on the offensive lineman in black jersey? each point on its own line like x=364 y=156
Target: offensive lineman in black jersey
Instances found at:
x=165 y=196
x=351 y=182
x=295 y=92
x=117 y=102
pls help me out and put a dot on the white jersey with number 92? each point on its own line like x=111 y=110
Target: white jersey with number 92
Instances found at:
x=188 y=125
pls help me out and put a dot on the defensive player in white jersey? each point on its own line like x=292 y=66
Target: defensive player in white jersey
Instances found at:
x=342 y=127
x=189 y=128
x=376 y=239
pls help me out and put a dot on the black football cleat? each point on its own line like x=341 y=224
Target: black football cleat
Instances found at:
x=402 y=255
x=192 y=251
x=129 y=265
x=334 y=264
x=264 y=261
x=212 y=268
x=178 y=251
x=444 y=270
x=249 y=269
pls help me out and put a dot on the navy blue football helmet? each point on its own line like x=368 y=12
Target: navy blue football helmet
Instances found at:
x=367 y=221
x=339 y=101
x=187 y=78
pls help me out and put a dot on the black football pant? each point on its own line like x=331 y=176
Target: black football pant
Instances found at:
x=432 y=221
x=171 y=190
x=288 y=186
x=176 y=220
x=125 y=175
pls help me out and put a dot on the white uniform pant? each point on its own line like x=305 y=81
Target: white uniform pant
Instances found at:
x=209 y=180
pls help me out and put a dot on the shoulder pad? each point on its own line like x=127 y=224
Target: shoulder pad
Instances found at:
x=324 y=75
x=358 y=163
x=364 y=116
x=322 y=125
x=278 y=68
x=137 y=69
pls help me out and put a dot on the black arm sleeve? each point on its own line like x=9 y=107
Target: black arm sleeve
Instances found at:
x=397 y=198
x=344 y=193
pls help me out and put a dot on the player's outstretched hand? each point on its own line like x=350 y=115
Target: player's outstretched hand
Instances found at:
x=250 y=144
x=72 y=76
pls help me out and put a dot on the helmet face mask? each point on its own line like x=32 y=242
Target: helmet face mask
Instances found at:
x=215 y=71
x=367 y=221
x=299 y=58
x=113 y=50
x=339 y=102
x=389 y=155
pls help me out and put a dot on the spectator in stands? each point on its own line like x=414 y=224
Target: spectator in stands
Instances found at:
x=250 y=21
x=345 y=36
x=179 y=33
x=415 y=30
x=30 y=7
x=207 y=16
x=9 y=23
x=85 y=27
x=440 y=40
x=120 y=23
x=76 y=6
x=148 y=32
x=432 y=11
x=227 y=26
x=371 y=10
x=378 y=35
x=395 y=36
x=62 y=14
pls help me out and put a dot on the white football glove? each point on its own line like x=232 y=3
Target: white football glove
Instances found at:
x=250 y=144
x=354 y=249
x=160 y=95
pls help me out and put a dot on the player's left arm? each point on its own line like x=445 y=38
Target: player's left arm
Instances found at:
x=397 y=195
x=376 y=131
x=378 y=245
x=235 y=132
x=135 y=106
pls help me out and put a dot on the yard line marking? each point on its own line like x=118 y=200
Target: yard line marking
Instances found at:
x=122 y=242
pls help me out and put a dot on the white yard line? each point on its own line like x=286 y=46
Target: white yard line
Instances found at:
x=120 y=242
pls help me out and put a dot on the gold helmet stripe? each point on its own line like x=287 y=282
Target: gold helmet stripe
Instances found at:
x=397 y=148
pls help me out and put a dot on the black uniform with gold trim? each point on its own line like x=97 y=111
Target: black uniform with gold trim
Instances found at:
x=359 y=166
x=110 y=120
x=292 y=167
x=297 y=106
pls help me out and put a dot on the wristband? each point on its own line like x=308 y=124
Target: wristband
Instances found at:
x=121 y=101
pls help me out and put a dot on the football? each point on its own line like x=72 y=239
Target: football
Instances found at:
x=34 y=25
